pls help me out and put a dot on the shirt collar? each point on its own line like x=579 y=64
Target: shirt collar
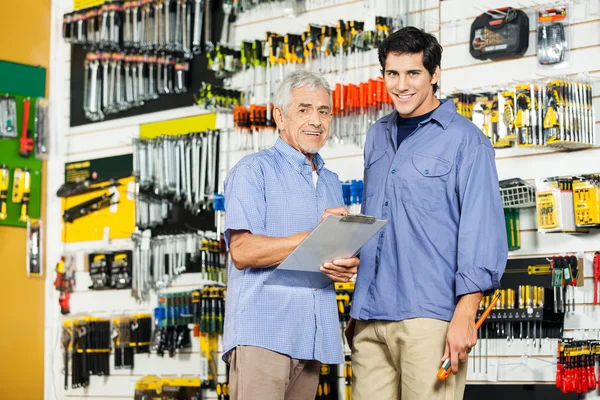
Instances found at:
x=297 y=159
x=442 y=115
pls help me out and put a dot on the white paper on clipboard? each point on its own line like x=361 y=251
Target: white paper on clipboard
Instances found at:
x=334 y=238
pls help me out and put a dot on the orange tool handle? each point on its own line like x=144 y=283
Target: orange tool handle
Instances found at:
x=444 y=370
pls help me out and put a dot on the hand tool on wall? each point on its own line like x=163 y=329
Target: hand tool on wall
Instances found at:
x=25 y=141
x=445 y=369
x=34 y=257
x=81 y=210
x=4 y=178
x=21 y=191
x=42 y=128
x=8 y=117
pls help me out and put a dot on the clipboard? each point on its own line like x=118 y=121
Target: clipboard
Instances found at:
x=334 y=238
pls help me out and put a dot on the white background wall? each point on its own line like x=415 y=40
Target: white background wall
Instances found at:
x=450 y=21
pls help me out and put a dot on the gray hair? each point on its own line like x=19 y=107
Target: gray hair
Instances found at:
x=298 y=79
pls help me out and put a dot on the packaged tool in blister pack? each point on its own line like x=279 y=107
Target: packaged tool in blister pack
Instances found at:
x=552 y=36
x=34 y=248
x=586 y=200
x=120 y=269
x=8 y=117
x=528 y=114
x=506 y=124
x=554 y=203
x=482 y=113
x=499 y=33
x=99 y=267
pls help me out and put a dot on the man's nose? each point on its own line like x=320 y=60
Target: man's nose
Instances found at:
x=314 y=118
x=402 y=83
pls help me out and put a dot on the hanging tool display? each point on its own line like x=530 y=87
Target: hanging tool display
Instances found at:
x=343 y=296
x=4 y=179
x=539 y=113
x=175 y=170
x=171 y=319
x=556 y=210
x=8 y=117
x=596 y=266
x=21 y=191
x=65 y=282
x=217 y=98
x=158 y=261
x=586 y=200
x=115 y=82
x=87 y=186
x=88 y=341
x=516 y=194
x=42 y=128
x=355 y=107
x=347 y=377
x=34 y=256
x=87 y=207
x=576 y=365
x=130 y=335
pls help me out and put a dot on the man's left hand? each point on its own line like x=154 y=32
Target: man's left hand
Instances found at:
x=341 y=270
x=462 y=333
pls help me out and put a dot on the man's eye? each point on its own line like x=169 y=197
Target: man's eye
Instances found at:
x=392 y=73
x=303 y=110
x=413 y=73
x=323 y=112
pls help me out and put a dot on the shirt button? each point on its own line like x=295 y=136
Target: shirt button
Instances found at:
x=393 y=171
x=386 y=203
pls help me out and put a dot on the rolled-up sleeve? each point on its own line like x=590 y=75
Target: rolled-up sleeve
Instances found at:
x=245 y=203
x=482 y=242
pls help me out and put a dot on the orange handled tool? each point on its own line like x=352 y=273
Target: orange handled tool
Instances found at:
x=445 y=369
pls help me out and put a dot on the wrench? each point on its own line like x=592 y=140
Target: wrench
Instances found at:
x=198 y=21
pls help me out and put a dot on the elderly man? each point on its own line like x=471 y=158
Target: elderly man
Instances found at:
x=276 y=336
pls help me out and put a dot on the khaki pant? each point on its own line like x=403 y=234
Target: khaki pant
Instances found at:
x=260 y=374
x=399 y=360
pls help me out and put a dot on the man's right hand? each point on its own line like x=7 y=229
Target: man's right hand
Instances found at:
x=334 y=211
x=349 y=332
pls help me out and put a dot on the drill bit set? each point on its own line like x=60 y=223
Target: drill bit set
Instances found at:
x=555 y=112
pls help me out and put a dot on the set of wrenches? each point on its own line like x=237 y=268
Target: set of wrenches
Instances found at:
x=180 y=169
x=144 y=25
x=115 y=82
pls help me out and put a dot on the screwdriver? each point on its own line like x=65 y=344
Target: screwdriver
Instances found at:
x=444 y=370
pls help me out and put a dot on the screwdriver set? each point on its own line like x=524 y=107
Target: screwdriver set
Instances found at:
x=576 y=366
x=216 y=98
x=171 y=319
x=556 y=112
x=352 y=193
x=347 y=374
x=586 y=200
x=327 y=387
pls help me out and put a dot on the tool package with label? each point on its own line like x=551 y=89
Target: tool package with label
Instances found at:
x=516 y=194
x=568 y=204
x=130 y=335
x=111 y=270
x=553 y=36
x=499 y=33
x=576 y=366
x=34 y=256
x=171 y=388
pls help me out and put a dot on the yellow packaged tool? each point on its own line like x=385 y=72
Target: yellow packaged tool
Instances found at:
x=21 y=191
x=4 y=177
x=586 y=200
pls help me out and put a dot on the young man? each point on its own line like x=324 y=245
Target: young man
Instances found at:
x=432 y=174
x=276 y=336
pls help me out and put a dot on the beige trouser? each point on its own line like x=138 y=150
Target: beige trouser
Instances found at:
x=260 y=374
x=399 y=360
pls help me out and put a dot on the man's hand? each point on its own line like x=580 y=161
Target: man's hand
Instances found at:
x=462 y=334
x=341 y=270
x=349 y=332
x=334 y=211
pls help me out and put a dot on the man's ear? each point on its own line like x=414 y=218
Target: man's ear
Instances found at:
x=278 y=117
x=435 y=78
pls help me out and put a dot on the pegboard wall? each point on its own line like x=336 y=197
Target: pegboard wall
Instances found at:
x=450 y=21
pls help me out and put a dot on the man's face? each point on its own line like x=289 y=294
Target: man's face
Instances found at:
x=409 y=84
x=305 y=126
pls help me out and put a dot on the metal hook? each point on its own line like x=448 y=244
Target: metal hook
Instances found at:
x=495 y=10
x=488 y=12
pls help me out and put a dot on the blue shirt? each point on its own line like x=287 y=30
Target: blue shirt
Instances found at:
x=446 y=235
x=272 y=193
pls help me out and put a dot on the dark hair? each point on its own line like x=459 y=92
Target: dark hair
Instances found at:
x=411 y=40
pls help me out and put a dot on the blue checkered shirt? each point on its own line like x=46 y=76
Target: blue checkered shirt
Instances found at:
x=272 y=193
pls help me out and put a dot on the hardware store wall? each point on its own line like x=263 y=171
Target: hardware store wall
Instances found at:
x=450 y=21
x=24 y=28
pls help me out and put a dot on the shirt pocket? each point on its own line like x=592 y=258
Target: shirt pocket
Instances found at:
x=375 y=170
x=424 y=183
